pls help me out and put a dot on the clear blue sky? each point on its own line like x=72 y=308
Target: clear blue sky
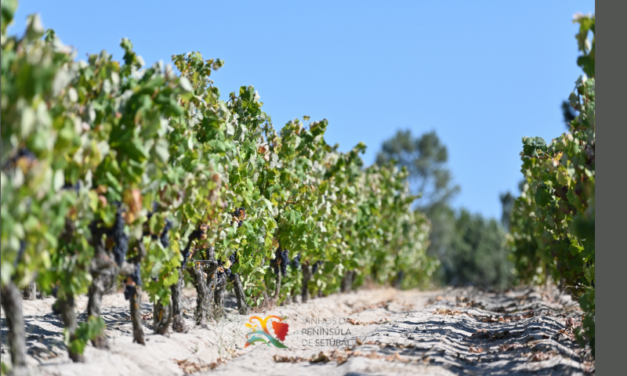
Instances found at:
x=482 y=74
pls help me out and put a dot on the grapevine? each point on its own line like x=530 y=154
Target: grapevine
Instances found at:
x=553 y=220
x=149 y=177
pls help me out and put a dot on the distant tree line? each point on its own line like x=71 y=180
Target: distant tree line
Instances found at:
x=470 y=248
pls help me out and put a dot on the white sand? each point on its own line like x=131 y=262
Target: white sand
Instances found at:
x=404 y=336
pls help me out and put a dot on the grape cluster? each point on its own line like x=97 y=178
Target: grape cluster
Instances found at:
x=281 y=260
x=238 y=216
x=222 y=275
x=120 y=247
x=589 y=264
x=296 y=262
x=232 y=259
x=146 y=228
x=225 y=273
x=165 y=234
x=136 y=277
x=129 y=291
x=400 y=276
x=21 y=153
x=20 y=253
x=55 y=308
x=76 y=187
x=316 y=266
x=195 y=235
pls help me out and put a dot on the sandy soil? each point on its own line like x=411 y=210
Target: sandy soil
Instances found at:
x=369 y=332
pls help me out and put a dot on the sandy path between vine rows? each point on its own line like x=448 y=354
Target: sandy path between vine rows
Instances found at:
x=368 y=332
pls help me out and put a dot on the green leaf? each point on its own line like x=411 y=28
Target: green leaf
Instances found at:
x=543 y=197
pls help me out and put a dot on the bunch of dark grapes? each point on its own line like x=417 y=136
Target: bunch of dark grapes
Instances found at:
x=165 y=234
x=316 y=266
x=136 y=277
x=23 y=152
x=20 y=253
x=225 y=273
x=146 y=227
x=195 y=235
x=281 y=260
x=238 y=216
x=129 y=291
x=589 y=264
x=120 y=239
x=131 y=288
x=232 y=259
x=55 y=309
x=400 y=276
x=222 y=274
x=76 y=187
x=164 y=237
x=285 y=261
x=296 y=262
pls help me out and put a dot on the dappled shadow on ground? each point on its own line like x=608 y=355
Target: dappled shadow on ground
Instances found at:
x=469 y=331
x=459 y=332
x=45 y=331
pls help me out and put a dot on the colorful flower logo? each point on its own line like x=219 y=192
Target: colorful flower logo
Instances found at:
x=259 y=331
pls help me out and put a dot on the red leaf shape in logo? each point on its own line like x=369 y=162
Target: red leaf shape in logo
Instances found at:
x=280 y=329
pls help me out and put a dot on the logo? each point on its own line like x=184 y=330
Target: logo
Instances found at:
x=259 y=331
